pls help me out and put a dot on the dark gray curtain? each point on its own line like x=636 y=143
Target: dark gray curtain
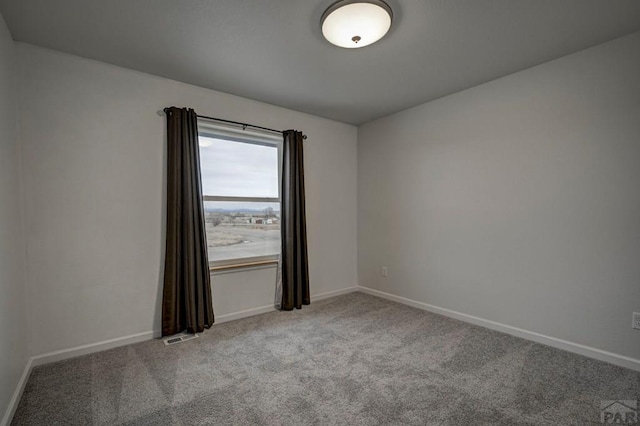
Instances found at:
x=292 y=290
x=186 y=301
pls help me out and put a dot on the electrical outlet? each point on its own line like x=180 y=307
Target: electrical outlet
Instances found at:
x=636 y=320
x=385 y=271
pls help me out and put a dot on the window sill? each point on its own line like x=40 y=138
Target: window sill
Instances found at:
x=247 y=265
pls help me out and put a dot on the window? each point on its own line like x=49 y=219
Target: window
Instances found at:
x=241 y=187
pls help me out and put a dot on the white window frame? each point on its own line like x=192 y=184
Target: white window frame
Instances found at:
x=212 y=129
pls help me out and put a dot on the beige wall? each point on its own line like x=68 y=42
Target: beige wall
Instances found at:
x=13 y=309
x=516 y=201
x=94 y=154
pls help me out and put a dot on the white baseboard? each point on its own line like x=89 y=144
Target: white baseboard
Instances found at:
x=17 y=394
x=93 y=347
x=243 y=314
x=268 y=308
x=333 y=293
x=610 y=357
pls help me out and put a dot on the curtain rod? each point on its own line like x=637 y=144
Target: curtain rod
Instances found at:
x=244 y=125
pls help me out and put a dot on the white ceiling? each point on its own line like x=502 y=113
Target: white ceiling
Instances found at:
x=273 y=50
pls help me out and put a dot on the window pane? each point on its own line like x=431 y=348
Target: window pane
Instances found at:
x=238 y=169
x=242 y=229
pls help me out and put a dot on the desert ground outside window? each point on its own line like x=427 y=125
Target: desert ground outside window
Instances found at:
x=241 y=190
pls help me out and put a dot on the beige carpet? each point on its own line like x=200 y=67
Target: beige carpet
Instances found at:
x=350 y=360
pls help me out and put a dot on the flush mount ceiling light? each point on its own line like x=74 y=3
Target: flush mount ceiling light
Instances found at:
x=359 y=23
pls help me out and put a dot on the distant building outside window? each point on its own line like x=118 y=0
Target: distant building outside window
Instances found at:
x=241 y=187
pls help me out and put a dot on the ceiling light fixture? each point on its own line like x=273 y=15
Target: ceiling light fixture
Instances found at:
x=356 y=23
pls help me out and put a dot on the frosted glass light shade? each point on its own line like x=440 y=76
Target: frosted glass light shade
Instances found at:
x=356 y=24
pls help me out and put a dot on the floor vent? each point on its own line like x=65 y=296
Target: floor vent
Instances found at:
x=181 y=338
